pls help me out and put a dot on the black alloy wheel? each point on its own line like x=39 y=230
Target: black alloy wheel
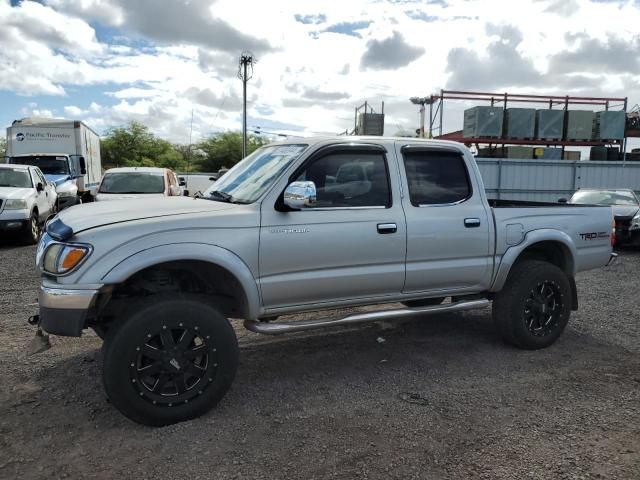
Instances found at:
x=174 y=365
x=543 y=308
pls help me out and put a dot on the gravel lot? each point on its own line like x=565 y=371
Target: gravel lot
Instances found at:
x=442 y=397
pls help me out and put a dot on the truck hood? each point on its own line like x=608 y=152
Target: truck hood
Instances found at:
x=57 y=179
x=102 y=197
x=624 y=210
x=91 y=215
x=14 y=192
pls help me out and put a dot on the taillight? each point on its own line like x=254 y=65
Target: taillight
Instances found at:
x=613 y=232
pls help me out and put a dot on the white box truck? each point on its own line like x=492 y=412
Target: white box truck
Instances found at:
x=67 y=152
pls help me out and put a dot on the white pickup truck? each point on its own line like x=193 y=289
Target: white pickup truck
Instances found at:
x=27 y=199
x=307 y=225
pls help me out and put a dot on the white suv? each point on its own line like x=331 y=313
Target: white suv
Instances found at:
x=26 y=200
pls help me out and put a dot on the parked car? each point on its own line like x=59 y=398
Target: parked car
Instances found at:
x=626 y=210
x=138 y=182
x=26 y=200
x=196 y=183
x=309 y=225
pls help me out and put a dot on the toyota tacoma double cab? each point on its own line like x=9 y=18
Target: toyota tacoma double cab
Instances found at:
x=304 y=225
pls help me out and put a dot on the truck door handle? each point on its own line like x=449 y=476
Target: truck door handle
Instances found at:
x=384 y=228
x=471 y=222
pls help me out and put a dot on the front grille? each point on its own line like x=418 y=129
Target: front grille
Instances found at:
x=623 y=225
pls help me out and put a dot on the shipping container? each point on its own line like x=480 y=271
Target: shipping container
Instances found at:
x=548 y=153
x=580 y=125
x=519 y=152
x=549 y=124
x=610 y=125
x=598 y=154
x=571 y=155
x=483 y=122
x=520 y=123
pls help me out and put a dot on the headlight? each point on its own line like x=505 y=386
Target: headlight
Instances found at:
x=66 y=193
x=635 y=223
x=61 y=258
x=15 y=204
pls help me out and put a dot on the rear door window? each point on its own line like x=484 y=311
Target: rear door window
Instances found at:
x=436 y=177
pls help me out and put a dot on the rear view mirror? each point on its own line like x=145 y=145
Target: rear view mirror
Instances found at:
x=562 y=200
x=182 y=183
x=83 y=166
x=39 y=187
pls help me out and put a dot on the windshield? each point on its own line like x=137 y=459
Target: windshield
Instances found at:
x=605 y=197
x=132 y=182
x=250 y=178
x=13 y=177
x=50 y=165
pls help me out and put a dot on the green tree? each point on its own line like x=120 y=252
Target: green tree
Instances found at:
x=225 y=150
x=135 y=146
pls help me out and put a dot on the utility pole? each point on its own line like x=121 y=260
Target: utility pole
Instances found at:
x=245 y=72
x=189 y=149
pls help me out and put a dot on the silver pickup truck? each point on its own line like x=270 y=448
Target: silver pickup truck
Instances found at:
x=310 y=224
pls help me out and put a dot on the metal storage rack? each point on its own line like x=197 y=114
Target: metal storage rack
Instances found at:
x=505 y=100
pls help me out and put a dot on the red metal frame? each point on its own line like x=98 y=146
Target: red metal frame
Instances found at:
x=505 y=98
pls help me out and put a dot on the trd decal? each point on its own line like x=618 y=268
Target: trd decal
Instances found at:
x=594 y=235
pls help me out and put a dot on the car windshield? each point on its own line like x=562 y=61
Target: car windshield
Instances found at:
x=132 y=182
x=251 y=177
x=50 y=165
x=18 y=178
x=605 y=197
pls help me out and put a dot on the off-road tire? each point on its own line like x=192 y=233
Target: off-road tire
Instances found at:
x=157 y=326
x=518 y=307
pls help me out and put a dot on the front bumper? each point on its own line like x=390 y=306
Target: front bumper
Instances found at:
x=628 y=237
x=65 y=311
x=64 y=202
x=13 y=224
x=14 y=219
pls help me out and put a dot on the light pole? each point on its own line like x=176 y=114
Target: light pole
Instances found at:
x=422 y=101
x=245 y=63
x=259 y=131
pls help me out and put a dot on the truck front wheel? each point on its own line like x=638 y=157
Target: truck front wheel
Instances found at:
x=170 y=360
x=534 y=306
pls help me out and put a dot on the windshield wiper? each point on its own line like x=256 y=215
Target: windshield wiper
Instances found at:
x=221 y=196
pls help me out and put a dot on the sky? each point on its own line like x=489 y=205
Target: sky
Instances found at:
x=164 y=63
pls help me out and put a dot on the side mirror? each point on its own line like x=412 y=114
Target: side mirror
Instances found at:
x=185 y=193
x=562 y=200
x=213 y=178
x=300 y=195
x=182 y=183
x=39 y=187
x=83 y=166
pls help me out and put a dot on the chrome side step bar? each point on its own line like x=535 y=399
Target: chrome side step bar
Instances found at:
x=274 y=328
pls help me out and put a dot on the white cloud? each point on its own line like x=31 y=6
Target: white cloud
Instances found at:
x=165 y=62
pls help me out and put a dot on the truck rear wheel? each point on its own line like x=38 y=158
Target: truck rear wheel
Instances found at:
x=533 y=308
x=170 y=360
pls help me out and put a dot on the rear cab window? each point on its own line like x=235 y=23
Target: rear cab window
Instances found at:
x=436 y=177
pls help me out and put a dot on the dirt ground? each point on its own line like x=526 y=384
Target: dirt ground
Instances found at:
x=442 y=397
